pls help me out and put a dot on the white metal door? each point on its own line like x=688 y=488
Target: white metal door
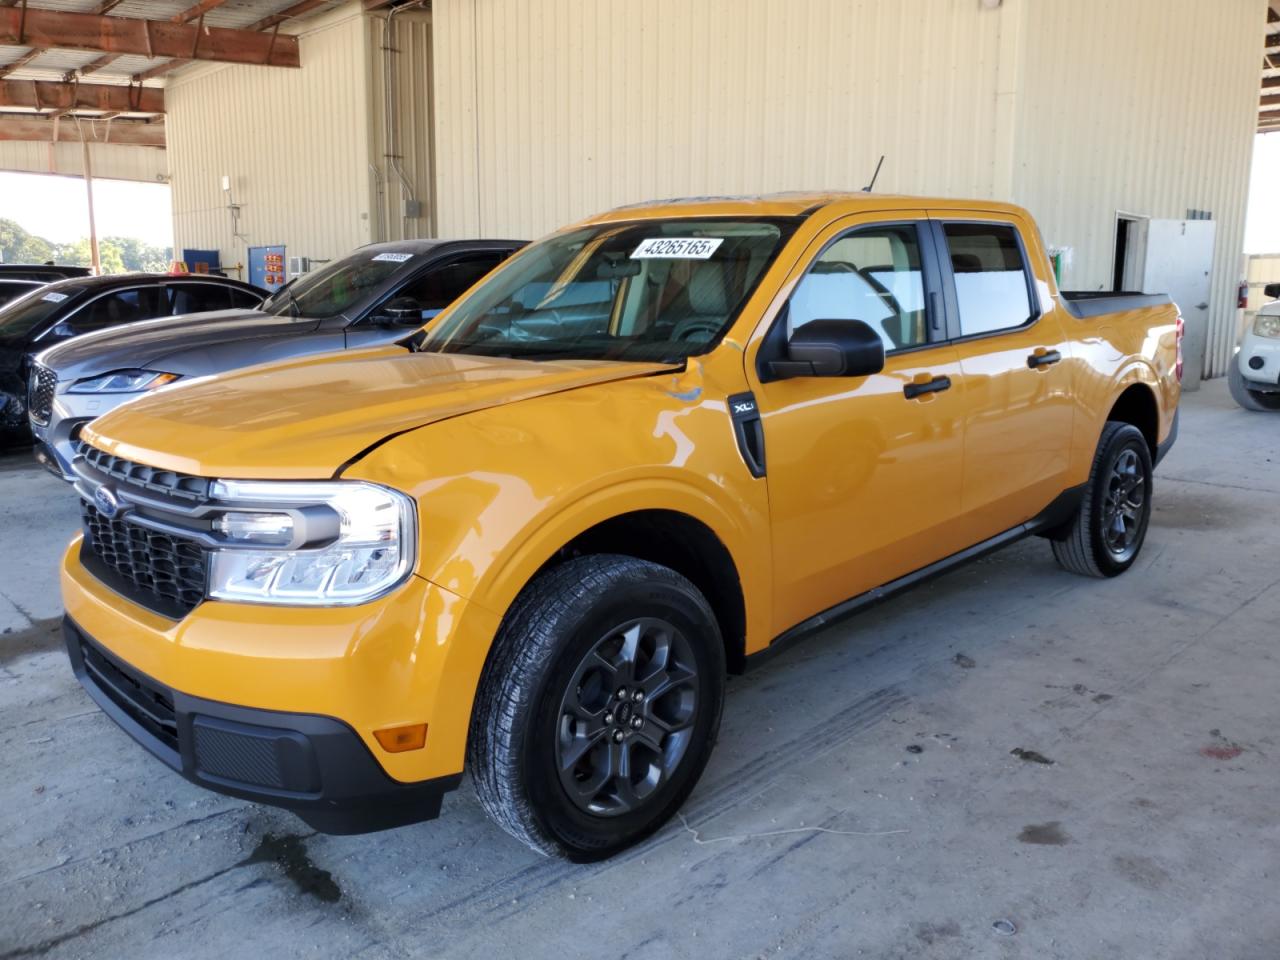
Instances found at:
x=1179 y=262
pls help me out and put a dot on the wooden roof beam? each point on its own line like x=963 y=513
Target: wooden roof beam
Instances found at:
x=44 y=130
x=46 y=95
x=186 y=16
x=271 y=22
x=144 y=38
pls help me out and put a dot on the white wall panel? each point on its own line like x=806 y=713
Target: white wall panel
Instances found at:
x=549 y=110
x=294 y=142
x=1146 y=107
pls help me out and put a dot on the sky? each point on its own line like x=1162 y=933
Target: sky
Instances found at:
x=55 y=208
x=1262 y=227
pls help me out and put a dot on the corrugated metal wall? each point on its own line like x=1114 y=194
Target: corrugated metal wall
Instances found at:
x=1146 y=107
x=294 y=142
x=409 y=58
x=112 y=161
x=548 y=110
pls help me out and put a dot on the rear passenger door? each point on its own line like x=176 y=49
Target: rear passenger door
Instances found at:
x=1014 y=358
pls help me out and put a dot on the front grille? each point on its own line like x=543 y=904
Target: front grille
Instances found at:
x=170 y=482
x=156 y=565
x=150 y=706
x=40 y=390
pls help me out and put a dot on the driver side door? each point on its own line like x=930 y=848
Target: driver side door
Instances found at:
x=864 y=473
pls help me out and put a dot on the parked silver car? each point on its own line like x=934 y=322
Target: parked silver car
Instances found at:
x=377 y=295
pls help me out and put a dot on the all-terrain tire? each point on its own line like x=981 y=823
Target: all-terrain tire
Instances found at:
x=1087 y=545
x=564 y=625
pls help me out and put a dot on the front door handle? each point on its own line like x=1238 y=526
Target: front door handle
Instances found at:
x=936 y=385
x=1043 y=358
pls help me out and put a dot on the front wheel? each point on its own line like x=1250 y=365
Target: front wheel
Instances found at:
x=1254 y=400
x=1108 y=530
x=599 y=706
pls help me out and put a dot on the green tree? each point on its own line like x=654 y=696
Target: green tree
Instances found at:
x=119 y=254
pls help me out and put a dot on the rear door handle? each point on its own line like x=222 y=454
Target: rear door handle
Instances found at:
x=1043 y=359
x=936 y=385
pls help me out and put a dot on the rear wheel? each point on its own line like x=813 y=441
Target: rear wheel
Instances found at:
x=1108 y=530
x=1254 y=400
x=599 y=706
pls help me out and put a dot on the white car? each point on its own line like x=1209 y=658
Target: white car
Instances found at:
x=1254 y=374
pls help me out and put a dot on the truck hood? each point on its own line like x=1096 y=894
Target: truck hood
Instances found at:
x=306 y=419
x=148 y=343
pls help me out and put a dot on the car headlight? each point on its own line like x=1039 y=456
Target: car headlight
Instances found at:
x=1267 y=325
x=322 y=544
x=123 y=381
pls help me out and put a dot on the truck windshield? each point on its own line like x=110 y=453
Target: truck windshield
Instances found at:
x=22 y=316
x=648 y=290
x=339 y=286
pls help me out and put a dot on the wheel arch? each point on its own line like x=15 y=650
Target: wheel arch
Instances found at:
x=1137 y=406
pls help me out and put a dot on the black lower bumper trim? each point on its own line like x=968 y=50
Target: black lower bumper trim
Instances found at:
x=1163 y=448
x=315 y=766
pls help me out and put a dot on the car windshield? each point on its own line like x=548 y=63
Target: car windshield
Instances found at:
x=648 y=290
x=20 y=317
x=338 y=287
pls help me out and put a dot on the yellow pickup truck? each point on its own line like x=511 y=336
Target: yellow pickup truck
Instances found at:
x=649 y=450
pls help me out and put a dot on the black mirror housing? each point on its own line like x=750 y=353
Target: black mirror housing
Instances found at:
x=831 y=348
x=1271 y=291
x=400 y=312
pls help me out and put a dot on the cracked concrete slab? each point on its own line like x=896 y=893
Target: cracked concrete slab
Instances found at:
x=863 y=799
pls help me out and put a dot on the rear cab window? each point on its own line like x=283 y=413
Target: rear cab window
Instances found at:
x=992 y=282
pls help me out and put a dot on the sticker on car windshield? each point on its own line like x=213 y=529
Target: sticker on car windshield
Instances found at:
x=676 y=248
x=394 y=257
x=54 y=297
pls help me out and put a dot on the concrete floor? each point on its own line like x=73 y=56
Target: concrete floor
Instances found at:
x=865 y=798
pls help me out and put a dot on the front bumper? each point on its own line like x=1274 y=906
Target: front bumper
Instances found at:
x=69 y=413
x=1264 y=355
x=332 y=676
x=316 y=766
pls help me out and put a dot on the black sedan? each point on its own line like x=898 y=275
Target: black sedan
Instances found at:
x=64 y=309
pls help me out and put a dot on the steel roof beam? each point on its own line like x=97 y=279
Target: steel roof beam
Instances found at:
x=43 y=130
x=144 y=38
x=47 y=95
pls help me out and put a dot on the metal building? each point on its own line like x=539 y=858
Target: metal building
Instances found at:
x=1125 y=126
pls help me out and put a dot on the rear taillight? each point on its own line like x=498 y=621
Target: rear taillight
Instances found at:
x=1242 y=295
x=1182 y=329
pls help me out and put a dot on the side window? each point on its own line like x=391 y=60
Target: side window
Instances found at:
x=440 y=286
x=244 y=299
x=990 y=275
x=872 y=274
x=113 y=309
x=197 y=298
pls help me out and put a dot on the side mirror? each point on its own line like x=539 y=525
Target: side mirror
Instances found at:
x=1272 y=290
x=831 y=348
x=400 y=312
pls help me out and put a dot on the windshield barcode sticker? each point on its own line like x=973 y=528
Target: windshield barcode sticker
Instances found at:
x=54 y=297
x=677 y=248
x=393 y=257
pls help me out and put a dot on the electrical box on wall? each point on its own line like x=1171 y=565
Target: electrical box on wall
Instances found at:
x=299 y=265
x=413 y=208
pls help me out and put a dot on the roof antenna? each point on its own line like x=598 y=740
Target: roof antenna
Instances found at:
x=867 y=188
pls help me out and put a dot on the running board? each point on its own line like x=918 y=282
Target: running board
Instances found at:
x=1053 y=516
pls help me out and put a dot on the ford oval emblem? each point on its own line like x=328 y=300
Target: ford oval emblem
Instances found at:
x=106 y=502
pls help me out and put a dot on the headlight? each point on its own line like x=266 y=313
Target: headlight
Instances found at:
x=1267 y=325
x=123 y=381
x=320 y=544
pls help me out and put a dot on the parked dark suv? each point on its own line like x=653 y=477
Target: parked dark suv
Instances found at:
x=65 y=309
x=41 y=272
